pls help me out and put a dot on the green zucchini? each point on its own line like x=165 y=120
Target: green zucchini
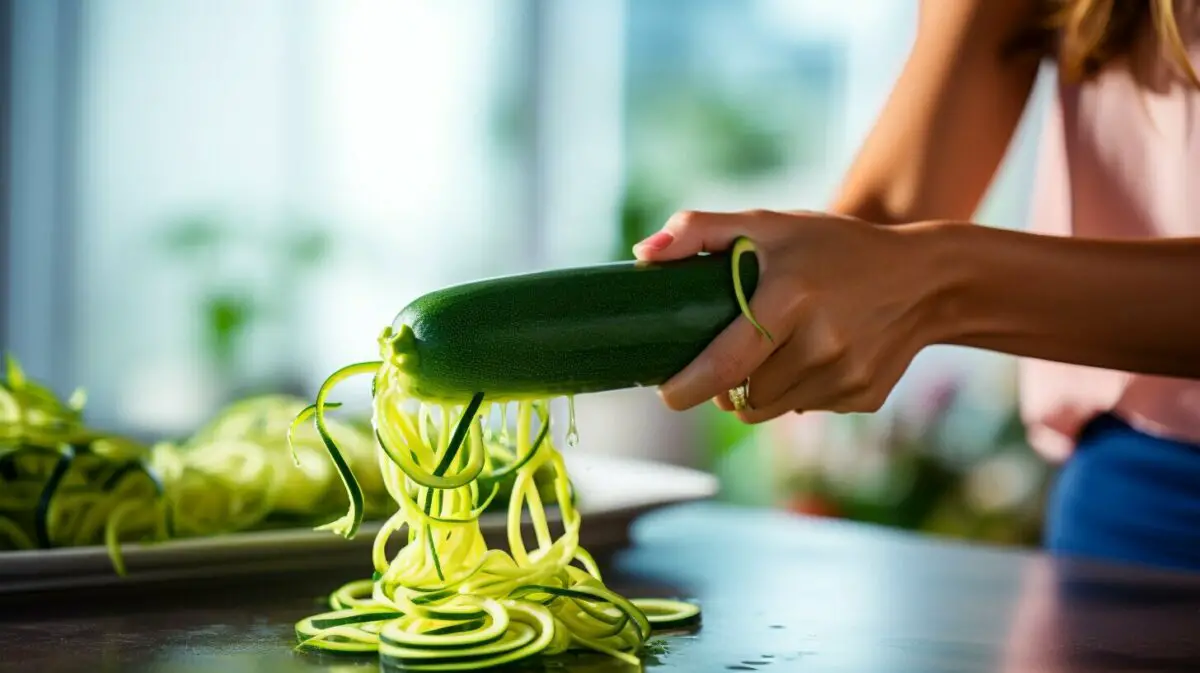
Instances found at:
x=567 y=331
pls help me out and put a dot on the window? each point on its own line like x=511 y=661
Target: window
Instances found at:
x=214 y=197
x=253 y=189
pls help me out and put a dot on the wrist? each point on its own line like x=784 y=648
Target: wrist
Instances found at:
x=939 y=254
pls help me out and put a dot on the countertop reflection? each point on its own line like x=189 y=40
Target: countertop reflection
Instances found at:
x=779 y=593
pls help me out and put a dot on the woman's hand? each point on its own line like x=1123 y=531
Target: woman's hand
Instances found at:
x=848 y=304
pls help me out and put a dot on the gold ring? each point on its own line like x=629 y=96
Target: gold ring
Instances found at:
x=740 y=396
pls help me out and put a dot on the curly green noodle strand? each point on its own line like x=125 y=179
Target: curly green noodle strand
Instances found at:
x=15 y=373
x=10 y=413
x=433 y=554
x=43 y=512
x=16 y=536
x=740 y=246
x=589 y=564
x=303 y=416
x=346 y=526
x=390 y=439
x=522 y=461
x=446 y=457
x=393 y=479
x=112 y=532
x=425 y=425
x=392 y=424
x=516 y=544
x=541 y=527
x=379 y=546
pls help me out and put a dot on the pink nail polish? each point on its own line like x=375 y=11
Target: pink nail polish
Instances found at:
x=657 y=241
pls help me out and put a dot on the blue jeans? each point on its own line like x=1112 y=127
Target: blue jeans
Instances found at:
x=1128 y=497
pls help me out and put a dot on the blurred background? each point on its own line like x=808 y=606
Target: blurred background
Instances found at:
x=205 y=199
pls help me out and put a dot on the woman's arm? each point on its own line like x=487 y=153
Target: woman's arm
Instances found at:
x=1116 y=304
x=849 y=304
x=950 y=117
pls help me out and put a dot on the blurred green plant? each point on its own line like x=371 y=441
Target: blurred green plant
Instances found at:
x=644 y=206
x=738 y=139
x=233 y=302
x=709 y=135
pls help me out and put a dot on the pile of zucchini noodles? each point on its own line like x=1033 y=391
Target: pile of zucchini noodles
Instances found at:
x=64 y=484
x=238 y=472
x=446 y=601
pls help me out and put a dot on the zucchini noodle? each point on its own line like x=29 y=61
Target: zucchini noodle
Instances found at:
x=446 y=601
x=741 y=246
x=239 y=471
x=63 y=484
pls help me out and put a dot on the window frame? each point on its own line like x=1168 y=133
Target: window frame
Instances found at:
x=6 y=85
x=42 y=52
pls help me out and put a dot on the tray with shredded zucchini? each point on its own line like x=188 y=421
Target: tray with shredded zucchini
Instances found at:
x=81 y=507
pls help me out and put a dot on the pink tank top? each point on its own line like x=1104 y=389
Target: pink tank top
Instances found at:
x=1119 y=158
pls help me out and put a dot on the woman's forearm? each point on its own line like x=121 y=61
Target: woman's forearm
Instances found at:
x=1117 y=304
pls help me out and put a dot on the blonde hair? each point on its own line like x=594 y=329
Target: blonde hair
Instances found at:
x=1085 y=35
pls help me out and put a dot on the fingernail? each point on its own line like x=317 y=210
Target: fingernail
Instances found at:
x=658 y=241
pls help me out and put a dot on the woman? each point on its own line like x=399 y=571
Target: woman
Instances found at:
x=1102 y=299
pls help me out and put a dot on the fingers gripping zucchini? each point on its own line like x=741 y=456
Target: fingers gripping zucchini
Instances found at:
x=446 y=601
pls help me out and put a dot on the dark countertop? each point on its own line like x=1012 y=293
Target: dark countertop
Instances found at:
x=779 y=594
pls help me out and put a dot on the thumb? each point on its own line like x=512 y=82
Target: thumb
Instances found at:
x=691 y=232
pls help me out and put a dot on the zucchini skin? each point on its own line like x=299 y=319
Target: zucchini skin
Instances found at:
x=565 y=331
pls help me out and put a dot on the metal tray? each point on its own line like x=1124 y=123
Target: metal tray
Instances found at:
x=613 y=491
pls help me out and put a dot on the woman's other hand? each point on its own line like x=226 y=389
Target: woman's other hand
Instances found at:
x=848 y=305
